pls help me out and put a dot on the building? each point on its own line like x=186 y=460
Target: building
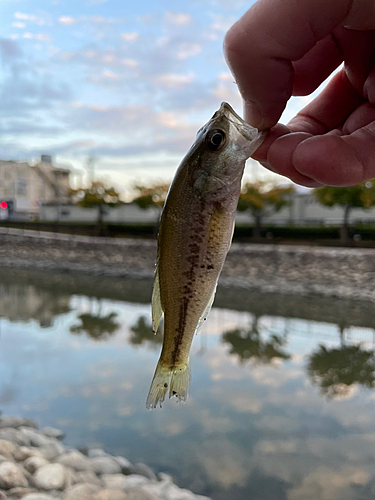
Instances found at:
x=24 y=189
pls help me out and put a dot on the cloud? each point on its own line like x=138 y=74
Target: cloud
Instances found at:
x=188 y=49
x=19 y=25
x=178 y=18
x=130 y=37
x=174 y=80
x=67 y=20
x=41 y=37
x=32 y=18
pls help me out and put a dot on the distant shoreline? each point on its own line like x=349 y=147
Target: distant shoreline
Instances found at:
x=337 y=272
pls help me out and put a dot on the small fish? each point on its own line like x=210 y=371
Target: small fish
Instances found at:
x=195 y=234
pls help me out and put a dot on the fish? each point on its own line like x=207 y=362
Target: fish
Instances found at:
x=195 y=234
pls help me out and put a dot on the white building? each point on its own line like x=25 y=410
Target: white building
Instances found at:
x=24 y=188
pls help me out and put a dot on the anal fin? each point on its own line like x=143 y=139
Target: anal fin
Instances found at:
x=157 y=309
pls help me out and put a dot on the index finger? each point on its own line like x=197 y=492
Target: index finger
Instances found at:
x=262 y=45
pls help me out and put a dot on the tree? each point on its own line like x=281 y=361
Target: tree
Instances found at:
x=96 y=326
x=358 y=196
x=143 y=333
x=97 y=195
x=151 y=196
x=336 y=370
x=262 y=201
x=248 y=344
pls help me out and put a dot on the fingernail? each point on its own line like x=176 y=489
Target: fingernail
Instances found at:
x=253 y=114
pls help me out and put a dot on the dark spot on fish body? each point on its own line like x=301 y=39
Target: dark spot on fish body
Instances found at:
x=210 y=266
x=174 y=393
x=166 y=385
x=203 y=266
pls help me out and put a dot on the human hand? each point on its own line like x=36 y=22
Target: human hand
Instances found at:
x=281 y=48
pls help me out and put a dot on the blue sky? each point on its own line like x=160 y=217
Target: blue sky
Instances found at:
x=126 y=82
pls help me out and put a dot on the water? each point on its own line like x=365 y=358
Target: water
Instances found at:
x=281 y=405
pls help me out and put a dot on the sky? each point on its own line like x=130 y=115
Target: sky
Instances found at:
x=127 y=83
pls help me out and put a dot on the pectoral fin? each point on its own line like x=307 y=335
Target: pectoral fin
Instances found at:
x=157 y=310
x=206 y=311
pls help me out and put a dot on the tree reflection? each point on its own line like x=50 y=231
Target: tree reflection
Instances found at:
x=142 y=332
x=337 y=370
x=247 y=344
x=96 y=326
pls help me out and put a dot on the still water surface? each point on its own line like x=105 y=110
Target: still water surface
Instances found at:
x=282 y=403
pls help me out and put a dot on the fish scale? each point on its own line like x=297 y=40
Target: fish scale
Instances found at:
x=195 y=233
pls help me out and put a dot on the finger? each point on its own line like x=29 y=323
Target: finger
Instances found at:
x=330 y=109
x=337 y=160
x=316 y=65
x=261 y=46
x=280 y=154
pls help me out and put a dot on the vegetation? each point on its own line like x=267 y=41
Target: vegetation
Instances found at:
x=358 y=196
x=262 y=201
x=248 y=345
x=142 y=332
x=151 y=196
x=337 y=370
x=97 y=195
x=96 y=326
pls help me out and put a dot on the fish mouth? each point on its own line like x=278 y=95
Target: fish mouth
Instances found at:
x=250 y=133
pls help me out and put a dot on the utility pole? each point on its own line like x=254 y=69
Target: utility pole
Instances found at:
x=91 y=168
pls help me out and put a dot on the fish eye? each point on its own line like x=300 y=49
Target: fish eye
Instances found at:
x=215 y=140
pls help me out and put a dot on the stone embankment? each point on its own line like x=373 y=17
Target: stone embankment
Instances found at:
x=339 y=272
x=36 y=465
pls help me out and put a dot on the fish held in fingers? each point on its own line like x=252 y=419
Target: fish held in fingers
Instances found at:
x=195 y=233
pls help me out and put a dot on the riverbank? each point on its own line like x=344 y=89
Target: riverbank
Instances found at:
x=336 y=272
x=36 y=465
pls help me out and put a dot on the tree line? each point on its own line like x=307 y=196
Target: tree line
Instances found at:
x=259 y=199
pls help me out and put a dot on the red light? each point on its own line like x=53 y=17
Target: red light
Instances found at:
x=3 y=205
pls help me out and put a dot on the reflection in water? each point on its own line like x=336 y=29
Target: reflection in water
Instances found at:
x=247 y=344
x=256 y=429
x=142 y=333
x=338 y=370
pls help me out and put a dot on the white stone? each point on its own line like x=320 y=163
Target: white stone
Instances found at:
x=96 y=452
x=16 y=422
x=126 y=466
x=81 y=491
x=144 y=470
x=7 y=448
x=114 y=481
x=110 y=495
x=24 y=452
x=52 y=432
x=140 y=494
x=32 y=464
x=76 y=460
x=15 y=436
x=88 y=476
x=36 y=439
x=135 y=481
x=11 y=476
x=52 y=450
x=50 y=477
x=104 y=465
x=38 y=496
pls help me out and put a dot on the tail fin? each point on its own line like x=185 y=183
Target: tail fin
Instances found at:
x=176 y=380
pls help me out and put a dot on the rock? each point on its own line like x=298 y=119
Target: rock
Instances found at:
x=38 y=496
x=19 y=492
x=96 y=452
x=110 y=495
x=114 y=481
x=82 y=491
x=87 y=476
x=104 y=465
x=11 y=476
x=7 y=448
x=16 y=422
x=144 y=470
x=135 y=481
x=24 y=452
x=15 y=436
x=36 y=439
x=32 y=464
x=139 y=494
x=52 y=450
x=71 y=477
x=3 y=495
x=126 y=466
x=3 y=459
x=52 y=432
x=50 y=477
x=76 y=460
